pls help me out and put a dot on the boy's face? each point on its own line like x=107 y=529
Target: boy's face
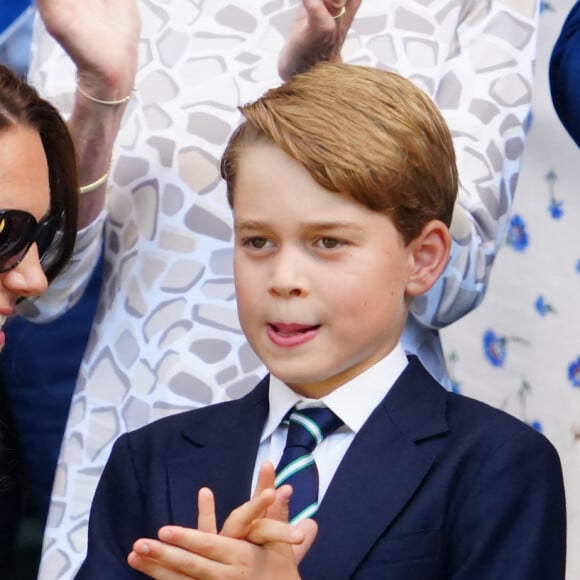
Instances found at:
x=320 y=278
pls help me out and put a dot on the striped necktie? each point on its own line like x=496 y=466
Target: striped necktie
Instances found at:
x=307 y=428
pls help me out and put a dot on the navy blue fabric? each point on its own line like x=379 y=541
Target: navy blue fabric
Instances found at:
x=11 y=10
x=435 y=486
x=38 y=370
x=565 y=74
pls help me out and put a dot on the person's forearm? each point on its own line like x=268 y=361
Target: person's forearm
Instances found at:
x=101 y=40
x=489 y=131
x=94 y=128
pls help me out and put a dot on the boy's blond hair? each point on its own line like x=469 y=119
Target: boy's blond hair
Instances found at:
x=361 y=131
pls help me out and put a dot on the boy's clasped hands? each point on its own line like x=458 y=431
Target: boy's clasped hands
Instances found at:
x=256 y=540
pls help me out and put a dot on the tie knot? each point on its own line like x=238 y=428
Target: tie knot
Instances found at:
x=308 y=427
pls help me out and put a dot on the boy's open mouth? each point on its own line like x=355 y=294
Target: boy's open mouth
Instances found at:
x=292 y=329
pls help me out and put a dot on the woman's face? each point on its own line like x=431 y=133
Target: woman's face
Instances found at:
x=24 y=186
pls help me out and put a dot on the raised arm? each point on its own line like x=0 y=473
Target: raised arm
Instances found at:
x=484 y=92
x=101 y=38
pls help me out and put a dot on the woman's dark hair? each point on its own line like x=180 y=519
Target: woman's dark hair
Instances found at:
x=20 y=105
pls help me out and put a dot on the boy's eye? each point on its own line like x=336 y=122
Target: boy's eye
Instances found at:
x=329 y=243
x=256 y=243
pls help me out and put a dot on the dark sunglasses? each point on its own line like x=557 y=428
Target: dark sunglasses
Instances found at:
x=19 y=230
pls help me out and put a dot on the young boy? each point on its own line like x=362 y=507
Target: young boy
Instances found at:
x=342 y=183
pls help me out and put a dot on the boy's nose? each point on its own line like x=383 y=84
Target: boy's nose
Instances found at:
x=28 y=278
x=287 y=276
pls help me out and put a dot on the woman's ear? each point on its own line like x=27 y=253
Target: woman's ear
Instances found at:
x=430 y=253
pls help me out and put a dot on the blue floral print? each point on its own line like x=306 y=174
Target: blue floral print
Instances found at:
x=517 y=236
x=494 y=347
x=543 y=307
x=574 y=373
x=556 y=207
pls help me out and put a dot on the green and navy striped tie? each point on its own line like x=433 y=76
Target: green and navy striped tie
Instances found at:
x=307 y=428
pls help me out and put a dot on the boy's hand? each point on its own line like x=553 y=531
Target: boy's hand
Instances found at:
x=255 y=542
x=187 y=553
x=316 y=34
x=264 y=519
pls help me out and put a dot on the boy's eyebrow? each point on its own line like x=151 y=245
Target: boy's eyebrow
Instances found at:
x=334 y=225
x=240 y=224
x=317 y=225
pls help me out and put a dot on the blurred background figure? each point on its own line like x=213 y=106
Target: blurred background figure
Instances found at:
x=16 y=18
x=523 y=340
x=35 y=393
x=565 y=74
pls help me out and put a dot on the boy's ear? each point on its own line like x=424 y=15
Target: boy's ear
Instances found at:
x=430 y=253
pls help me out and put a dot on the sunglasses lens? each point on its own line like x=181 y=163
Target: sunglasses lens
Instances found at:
x=45 y=235
x=16 y=235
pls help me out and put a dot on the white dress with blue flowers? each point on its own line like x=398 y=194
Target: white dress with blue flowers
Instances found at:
x=520 y=350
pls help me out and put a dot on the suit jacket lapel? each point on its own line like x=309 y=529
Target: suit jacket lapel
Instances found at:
x=384 y=466
x=219 y=451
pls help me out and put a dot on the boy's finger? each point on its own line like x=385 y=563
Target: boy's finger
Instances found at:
x=177 y=539
x=239 y=522
x=206 y=520
x=279 y=510
x=151 y=567
x=266 y=477
x=266 y=531
x=189 y=554
x=309 y=529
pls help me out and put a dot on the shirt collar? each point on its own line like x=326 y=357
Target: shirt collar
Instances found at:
x=352 y=402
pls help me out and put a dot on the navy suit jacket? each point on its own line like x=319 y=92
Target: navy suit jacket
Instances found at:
x=565 y=74
x=434 y=486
